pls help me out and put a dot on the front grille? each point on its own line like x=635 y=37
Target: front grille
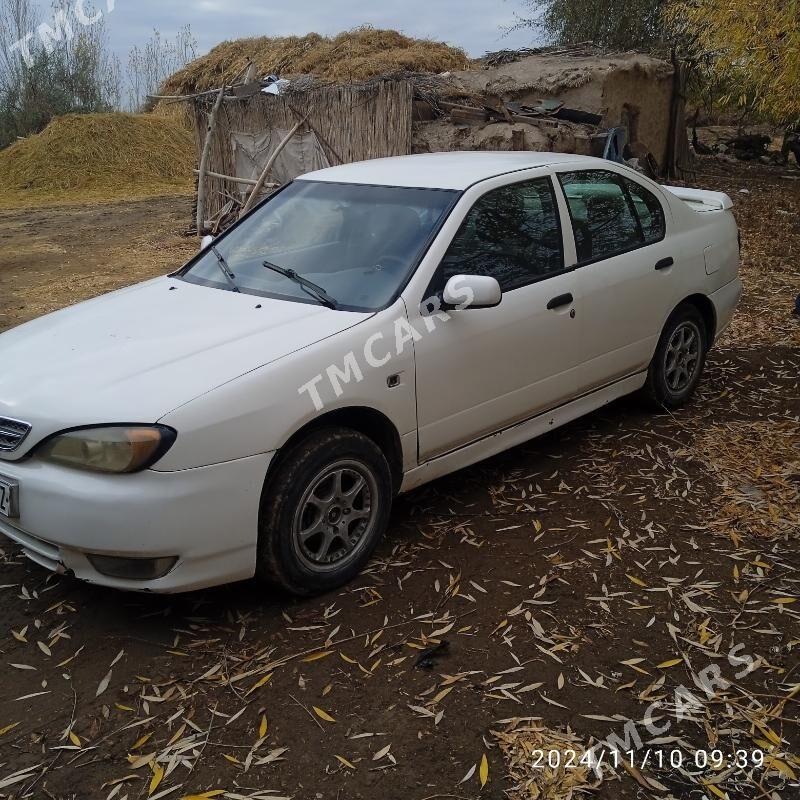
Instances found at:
x=12 y=434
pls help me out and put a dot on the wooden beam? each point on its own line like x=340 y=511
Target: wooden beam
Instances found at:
x=201 y=180
x=247 y=181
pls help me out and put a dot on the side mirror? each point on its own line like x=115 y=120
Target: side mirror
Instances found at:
x=206 y=242
x=471 y=291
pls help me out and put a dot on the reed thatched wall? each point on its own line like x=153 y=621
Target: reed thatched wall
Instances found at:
x=353 y=123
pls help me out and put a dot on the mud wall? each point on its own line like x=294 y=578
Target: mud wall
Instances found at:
x=629 y=89
x=442 y=136
x=641 y=102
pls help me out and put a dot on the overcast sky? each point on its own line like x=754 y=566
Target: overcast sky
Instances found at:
x=476 y=25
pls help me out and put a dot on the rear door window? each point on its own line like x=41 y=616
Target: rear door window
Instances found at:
x=649 y=210
x=603 y=216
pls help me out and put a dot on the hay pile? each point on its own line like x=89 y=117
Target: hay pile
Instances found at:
x=98 y=156
x=355 y=55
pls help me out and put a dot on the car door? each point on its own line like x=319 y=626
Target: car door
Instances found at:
x=625 y=262
x=481 y=370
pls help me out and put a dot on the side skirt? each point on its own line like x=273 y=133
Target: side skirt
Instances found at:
x=519 y=433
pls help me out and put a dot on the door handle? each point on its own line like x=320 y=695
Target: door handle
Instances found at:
x=560 y=301
x=665 y=263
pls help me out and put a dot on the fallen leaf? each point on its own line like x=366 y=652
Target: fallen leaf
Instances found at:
x=324 y=715
x=141 y=742
x=484 y=771
x=469 y=774
x=8 y=728
x=103 y=684
x=382 y=752
x=155 y=781
x=318 y=656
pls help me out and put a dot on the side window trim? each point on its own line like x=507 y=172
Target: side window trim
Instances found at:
x=660 y=205
x=568 y=244
x=632 y=206
x=434 y=283
x=618 y=179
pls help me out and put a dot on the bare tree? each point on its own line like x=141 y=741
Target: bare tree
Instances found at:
x=50 y=68
x=17 y=19
x=62 y=64
x=149 y=66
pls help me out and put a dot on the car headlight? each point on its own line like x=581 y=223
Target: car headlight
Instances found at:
x=115 y=449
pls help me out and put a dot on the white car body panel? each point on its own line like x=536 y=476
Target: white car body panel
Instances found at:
x=459 y=401
x=235 y=375
x=700 y=199
x=725 y=301
x=138 y=353
x=268 y=400
x=206 y=516
x=518 y=434
x=469 y=355
x=624 y=295
x=443 y=170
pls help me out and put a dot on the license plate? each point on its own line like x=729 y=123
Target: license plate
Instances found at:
x=9 y=497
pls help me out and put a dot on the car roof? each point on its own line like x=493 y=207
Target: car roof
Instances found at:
x=458 y=170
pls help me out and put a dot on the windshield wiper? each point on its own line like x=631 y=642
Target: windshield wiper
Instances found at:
x=313 y=289
x=225 y=269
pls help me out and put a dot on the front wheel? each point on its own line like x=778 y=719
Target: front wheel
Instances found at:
x=323 y=512
x=679 y=360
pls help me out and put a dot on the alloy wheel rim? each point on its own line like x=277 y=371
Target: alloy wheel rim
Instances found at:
x=335 y=516
x=682 y=357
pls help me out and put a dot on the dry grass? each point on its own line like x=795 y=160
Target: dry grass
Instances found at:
x=176 y=111
x=351 y=56
x=532 y=776
x=757 y=466
x=95 y=157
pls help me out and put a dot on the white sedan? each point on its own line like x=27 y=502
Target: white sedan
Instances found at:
x=365 y=330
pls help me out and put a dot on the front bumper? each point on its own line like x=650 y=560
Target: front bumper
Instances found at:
x=207 y=517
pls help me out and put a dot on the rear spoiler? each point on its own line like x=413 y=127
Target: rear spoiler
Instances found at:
x=701 y=200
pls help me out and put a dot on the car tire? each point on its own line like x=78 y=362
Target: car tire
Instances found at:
x=323 y=512
x=680 y=358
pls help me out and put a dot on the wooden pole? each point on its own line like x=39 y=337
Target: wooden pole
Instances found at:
x=201 y=180
x=251 y=201
x=181 y=96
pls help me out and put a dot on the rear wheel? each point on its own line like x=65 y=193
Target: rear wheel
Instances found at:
x=323 y=512
x=680 y=358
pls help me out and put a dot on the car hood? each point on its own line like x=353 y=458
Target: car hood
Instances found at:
x=136 y=354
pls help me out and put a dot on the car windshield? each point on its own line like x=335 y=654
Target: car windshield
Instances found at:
x=357 y=243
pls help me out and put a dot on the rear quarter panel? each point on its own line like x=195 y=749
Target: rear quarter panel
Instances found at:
x=710 y=240
x=706 y=245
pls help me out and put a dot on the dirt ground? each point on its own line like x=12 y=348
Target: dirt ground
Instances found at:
x=575 y=585
x=56 y=256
